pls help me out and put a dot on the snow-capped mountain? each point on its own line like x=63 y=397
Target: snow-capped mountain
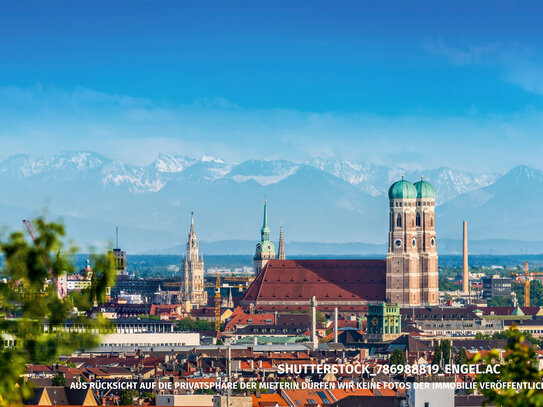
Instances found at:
x=321 y=201
x=375 y=179
x=66 y=164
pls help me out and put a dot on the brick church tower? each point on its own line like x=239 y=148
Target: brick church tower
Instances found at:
x=411 y=277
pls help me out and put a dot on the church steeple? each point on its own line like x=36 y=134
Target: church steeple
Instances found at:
x=192 y=231
x=265 y=231
x=194 y=294
x=192 y=241
x=281 y=255
x=265 y=249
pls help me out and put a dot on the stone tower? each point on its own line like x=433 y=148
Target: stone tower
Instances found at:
x=411 y=278
x=194 y=294
x=265 y=250
x=426 y=244
x=281 y=254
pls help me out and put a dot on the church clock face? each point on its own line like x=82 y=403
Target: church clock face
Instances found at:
x=258 y=247
x=374 y=321
x=398 y=243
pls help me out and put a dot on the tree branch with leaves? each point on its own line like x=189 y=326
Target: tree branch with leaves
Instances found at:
x=32 y=316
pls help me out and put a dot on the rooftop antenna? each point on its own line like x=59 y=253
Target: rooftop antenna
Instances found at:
x=116 y=237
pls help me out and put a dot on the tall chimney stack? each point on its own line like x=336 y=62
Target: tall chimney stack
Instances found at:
x=335 y=325
x=465 y=268
x=313 y=304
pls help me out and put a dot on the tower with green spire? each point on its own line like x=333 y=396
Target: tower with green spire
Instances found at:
x=265 y=249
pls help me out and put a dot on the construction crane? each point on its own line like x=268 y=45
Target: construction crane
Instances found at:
x=217 y=285
x=528 y=276
x=60 y=289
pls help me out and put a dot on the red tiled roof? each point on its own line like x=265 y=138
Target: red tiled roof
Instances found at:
x=328 y=280
x=272 y=399
x=239 y=317
x=322 y=308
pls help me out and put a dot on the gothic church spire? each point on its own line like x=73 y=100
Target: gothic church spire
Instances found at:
x=281 y=255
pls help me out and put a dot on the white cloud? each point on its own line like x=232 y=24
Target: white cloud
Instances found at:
x=44 y=121
x=519 y=65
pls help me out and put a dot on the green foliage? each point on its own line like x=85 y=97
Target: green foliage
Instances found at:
x=28 y=304
x=59 y=380
x=321 y=318
x=187 y=324
x=204 y=391
x=126 y=397
x=536 y=293
x=220 y=341
x=152 y=317
x=500 y=302
x=442 y=353
x=397 y=358
x=519 y=365
x=462 y=357
x=437 y=356
x=447 y=285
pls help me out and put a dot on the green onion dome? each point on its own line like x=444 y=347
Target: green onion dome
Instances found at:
x=402 y=190
x=425 y=190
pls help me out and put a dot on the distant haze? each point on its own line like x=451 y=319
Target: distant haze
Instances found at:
x=326 y=206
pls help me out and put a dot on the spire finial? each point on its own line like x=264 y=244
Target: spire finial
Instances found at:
x=281 y=254
x=421 y=177
x=192 y=230
x=265 y=223
x=403 y=176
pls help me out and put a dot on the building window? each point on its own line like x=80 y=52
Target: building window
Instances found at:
x=399 y=221
x=418 y=219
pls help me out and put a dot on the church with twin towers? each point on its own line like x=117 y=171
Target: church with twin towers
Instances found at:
x=408 y=277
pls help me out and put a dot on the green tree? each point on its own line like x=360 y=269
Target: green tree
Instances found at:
x=126 y=397
x=446 y=351
x=500 y=302
x=220 y=341
x=59 y=380
x=188 y=324
x=397 y=358
x=437 y=355
x=447 y=285
x=519 y=365
x=462 y=357
x=536 y=293
x=28 y=304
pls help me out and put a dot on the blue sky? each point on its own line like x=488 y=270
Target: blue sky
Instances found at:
x=418 y=84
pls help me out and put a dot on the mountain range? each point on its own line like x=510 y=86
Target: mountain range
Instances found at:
x=322 y=202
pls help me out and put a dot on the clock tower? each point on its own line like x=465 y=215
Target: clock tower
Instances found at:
x=265 y=249
x=411 y=276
